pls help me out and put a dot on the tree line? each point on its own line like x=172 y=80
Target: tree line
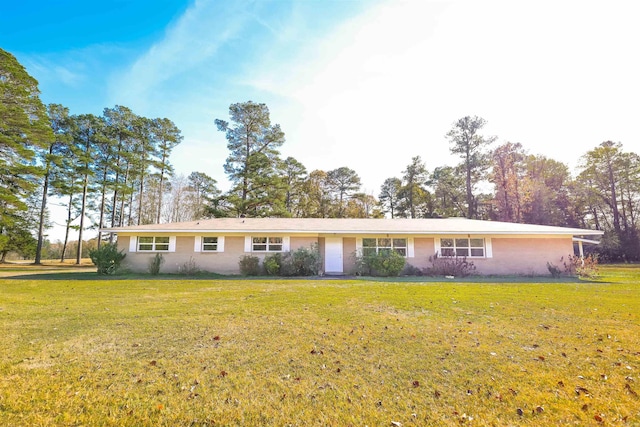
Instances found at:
x=114 y=170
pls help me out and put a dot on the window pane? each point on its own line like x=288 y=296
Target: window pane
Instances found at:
x=462 y=243
x=275 y=248
x=145 y=239
x=162 y=247
x=259 y=247
x=275 y=239
x=384 y=243
x=162 y=240
x=401 y=251
x=447 y=252
x=477 y=252
x=259 y=240
x=209 y=243
x=369 y=243
x=368 y=251
x=477 y=243
x=462 y=252
x=446 y=243
x=145 y=247
x=399 y=243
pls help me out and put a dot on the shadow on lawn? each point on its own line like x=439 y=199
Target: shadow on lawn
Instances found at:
x=92 y=275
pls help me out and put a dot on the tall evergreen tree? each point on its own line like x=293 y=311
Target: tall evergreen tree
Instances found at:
x=253 y=144
x=390 y=195
x=24 y=127
x=343 y=182
x=52 y=161
x=167 y=136
x=467 y=142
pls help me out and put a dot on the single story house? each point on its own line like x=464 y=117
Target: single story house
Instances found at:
x=216 y=245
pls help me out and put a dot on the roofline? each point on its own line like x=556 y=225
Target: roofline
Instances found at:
x=397 y=232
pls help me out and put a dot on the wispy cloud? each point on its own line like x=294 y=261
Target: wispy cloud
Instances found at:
x=194 y=39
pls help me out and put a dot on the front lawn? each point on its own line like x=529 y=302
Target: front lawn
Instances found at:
x=319 y=352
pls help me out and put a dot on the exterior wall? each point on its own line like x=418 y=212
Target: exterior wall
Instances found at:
x=524 y=256
x=424 y=248
x=511 y=255
x=214 y=262
x=348 y=249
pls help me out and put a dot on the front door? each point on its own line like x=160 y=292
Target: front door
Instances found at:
x=333 y=263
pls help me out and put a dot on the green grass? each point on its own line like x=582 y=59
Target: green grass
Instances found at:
x=172 y=352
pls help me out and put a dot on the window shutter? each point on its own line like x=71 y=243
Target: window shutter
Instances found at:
x=359 y=246
x=410 y=248
x=488 y=248
x=172 y=243
x=436 y=245
x=197 y=244
x=286 y=244
x=220 y=243
x=133 y=243
x=247 y=243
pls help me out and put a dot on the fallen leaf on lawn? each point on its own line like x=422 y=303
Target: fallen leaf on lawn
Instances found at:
x=582 y=390
x=519 y=411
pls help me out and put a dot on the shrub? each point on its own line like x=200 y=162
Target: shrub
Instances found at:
x=301 y=262
x=155 y=263
x=107 y=258
x=554 y=270
x=189 y=268
x=412 y=270
x=450 y=266
x=249 y=265
x=384 y=263
x=272 y=264
x=586 y=267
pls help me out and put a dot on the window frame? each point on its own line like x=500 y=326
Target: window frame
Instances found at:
x=143 y=240
x=204 y=245
x=266 y=241
x=384 y=247
x=455 y=249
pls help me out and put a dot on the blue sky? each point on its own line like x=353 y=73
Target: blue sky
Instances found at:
x=364 y=83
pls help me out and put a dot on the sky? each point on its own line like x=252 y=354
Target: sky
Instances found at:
x=367 y=84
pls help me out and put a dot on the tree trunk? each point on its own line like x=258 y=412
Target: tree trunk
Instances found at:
x=85 y=187
x=66 y=232
x=43 y=208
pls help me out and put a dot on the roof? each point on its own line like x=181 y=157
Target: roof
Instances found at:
x=427 y=226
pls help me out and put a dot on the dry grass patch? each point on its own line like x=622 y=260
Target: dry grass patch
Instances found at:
x=333 y=352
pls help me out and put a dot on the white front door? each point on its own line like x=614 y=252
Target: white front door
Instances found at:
x=333 y=255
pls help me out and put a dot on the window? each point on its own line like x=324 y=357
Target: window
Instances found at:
x=372 y=246
x=462 y=247
x=155 y=243
x=210 y=244
x=266 y=244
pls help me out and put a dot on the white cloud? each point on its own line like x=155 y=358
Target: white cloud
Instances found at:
x=387 y=85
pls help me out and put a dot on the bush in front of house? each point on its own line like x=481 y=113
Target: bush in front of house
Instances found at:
x=107 y=259
x=249 y=265
x=383 y=263
x=302 y=262
x=584 y=268
x=272 y=264
x=155 y=263
x=450 y=266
